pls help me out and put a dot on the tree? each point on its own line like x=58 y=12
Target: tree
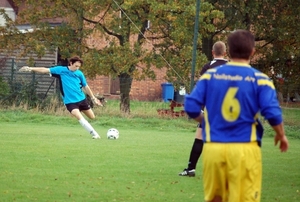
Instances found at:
x=275 y=25
x=133 y=48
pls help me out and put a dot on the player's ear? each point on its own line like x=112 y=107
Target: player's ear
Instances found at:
x=253 y=51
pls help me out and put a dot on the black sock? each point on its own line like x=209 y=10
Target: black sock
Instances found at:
x=195 y=153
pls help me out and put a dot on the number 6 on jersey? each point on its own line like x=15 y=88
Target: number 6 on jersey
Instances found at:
x=231 y=107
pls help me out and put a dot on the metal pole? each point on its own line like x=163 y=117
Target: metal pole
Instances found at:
x=12 y=70
x=196 y=28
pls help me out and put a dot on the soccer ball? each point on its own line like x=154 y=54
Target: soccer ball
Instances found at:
x=112 y=134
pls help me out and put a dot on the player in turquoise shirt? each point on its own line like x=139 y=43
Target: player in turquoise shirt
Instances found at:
x=72 y=83
x=234 y=95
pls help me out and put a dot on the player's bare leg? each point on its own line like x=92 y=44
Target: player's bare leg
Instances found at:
x=89 y=113
x=199 y=133
x=217 y=199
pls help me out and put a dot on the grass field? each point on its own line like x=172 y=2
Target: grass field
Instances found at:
x=50 y=157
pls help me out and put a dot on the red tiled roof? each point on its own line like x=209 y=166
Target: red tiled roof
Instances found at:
x=9 y=4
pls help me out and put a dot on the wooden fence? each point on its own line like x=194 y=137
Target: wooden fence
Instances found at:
x=46 y=85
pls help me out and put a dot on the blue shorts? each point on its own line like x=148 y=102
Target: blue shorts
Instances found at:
x=82 y=105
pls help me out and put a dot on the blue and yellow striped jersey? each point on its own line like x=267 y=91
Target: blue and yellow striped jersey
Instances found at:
x=234 y=95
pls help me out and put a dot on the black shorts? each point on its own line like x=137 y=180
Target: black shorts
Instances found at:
x=82 y=105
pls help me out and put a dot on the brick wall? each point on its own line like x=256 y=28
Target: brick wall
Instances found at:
x=146 y=90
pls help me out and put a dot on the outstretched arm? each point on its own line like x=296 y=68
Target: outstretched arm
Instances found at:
x=43 y=70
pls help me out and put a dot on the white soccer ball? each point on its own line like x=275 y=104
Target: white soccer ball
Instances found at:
x=112 y=134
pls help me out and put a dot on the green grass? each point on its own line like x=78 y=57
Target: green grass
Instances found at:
x=62 y=163
x=281 y=174
x=50 y=157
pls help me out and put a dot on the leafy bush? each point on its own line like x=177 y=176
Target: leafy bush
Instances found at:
x=4 y=88
x=20 y=93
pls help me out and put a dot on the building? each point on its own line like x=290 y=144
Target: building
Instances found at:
x=146 y=90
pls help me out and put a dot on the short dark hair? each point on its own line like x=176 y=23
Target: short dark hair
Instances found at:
x=241 y=44
x=74 y=59
x=219 y=48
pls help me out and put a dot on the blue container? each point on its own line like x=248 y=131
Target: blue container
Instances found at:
x=167 y=91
